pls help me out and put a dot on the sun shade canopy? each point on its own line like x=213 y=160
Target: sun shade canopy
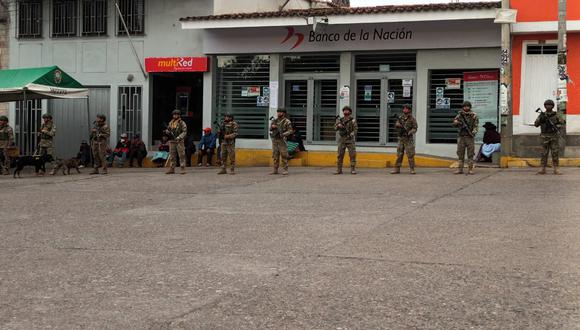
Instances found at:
x=39 y=83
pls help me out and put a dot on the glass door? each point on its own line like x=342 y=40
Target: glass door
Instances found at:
x=296 y=102
x=325 y=102
x=368 y=109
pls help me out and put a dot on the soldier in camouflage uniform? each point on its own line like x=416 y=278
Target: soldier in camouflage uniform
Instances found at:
x=550 y=123
x=229 y=131
x=406 y=127
x=46 y=135
x=468 y=124
x=280 y=129
x=6 y=140
x=100 y=134
x=347 y=129
x=177 y=131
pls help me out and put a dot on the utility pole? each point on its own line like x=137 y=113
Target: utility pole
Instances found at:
x=505 y=101
x=562 y=98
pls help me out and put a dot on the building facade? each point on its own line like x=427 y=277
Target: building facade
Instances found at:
x=136 y=82
x=313 y=62
x=535 y=71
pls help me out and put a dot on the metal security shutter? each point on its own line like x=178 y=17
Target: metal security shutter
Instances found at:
x=70 y=118
x=312 y=63
x=379 y=62
x=439 y=129
x=238 y=79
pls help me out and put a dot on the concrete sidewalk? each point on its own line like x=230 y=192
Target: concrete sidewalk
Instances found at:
x=139 y=249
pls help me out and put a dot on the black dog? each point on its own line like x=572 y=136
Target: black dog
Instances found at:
x=38 y=162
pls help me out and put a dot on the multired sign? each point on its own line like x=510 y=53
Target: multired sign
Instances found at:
x=177 y=64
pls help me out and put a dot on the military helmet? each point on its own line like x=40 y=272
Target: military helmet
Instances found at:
x=229 y=114
x=549 y=102
x=466 y=103
x=408 y=106
x=101 y=116
x=3 y=118
x=281 y=110
x=347 y=108
x=46 y=115
x=176 y=112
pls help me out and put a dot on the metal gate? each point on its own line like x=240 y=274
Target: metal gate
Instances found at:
x=70 y=118
x=129 y=112
x=27 y=124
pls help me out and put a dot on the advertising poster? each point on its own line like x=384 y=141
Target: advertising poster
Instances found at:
x=368 y=92
x=481 y=89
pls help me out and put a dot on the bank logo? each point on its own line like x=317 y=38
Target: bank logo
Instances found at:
x=291 y=34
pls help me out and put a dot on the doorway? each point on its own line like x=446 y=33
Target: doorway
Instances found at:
x=378 y=99
x=182 y=91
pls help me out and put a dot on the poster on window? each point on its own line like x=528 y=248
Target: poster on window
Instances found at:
x=482 y=89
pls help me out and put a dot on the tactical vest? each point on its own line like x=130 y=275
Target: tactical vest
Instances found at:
x=548 y=128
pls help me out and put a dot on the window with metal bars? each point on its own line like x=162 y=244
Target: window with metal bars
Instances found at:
x=94 y=16
x=439 y=128
x=133 y=12
x=385 y=62
x=242 y=82
x=64 y=18
x=29 y=13
x=311 y=63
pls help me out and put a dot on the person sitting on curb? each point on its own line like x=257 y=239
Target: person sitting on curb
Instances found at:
x=206 y=147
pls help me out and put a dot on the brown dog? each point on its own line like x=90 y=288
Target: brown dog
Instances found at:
x=66 y=164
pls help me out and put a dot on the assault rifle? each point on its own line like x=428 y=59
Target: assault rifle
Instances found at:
x=464 y=126
x=538 y=110
x=221 y=129
x=402 y=128
x=274 y=132
x=342 y=131
x=93 y=135
x=168 y=132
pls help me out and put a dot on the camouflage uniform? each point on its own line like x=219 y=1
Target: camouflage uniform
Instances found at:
x=550 y=136
x=466 y=138
x=279 y=146
x=178 y=130
x=99 y=144
x=46 y=144
x=6 y=139
x=406 y=144
x=228 y=145
x=346 y=140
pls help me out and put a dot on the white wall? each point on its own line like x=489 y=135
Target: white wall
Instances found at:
x=249 y=6
x=107 y=61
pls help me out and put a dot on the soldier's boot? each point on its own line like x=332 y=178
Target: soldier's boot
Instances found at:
x=233 y=171
x=338 y=170
x=285 y=171
x=470 y=170
x=542 y=171
x=412 y=166
x=274 y=171
x=171 y=170
x=396 y=170
x=556 y=171
x=412 y=170
x=459 y=168
x=352 y=170
x=95 y=171
x=182 y=170
x=222 y=171
x=105 y=171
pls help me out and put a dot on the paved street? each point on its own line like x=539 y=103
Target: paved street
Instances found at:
x=141 y=250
